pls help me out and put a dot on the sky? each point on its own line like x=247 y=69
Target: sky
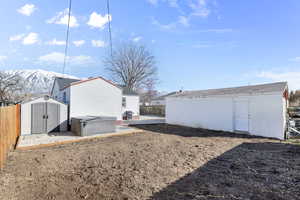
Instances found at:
x=198 y=44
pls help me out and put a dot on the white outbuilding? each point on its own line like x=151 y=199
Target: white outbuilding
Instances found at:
x=257 y=109
x=43 y=115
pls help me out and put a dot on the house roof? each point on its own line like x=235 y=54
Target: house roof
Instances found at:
x=162 y=97
x=90 y=79
x=65 y=82
x=253 y=89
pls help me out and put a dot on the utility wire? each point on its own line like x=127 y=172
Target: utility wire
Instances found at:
x=67 y=37
x=109 y=28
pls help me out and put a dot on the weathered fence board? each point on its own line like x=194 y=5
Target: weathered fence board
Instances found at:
x=9 y=130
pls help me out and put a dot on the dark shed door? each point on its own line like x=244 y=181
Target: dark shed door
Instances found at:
x=38 y=121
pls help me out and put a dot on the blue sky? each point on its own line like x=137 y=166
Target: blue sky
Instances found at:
x=198 y=44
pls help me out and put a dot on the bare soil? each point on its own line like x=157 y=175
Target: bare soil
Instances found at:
x=163 y=162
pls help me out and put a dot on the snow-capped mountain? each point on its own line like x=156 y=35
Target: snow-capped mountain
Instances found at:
x=38 y=81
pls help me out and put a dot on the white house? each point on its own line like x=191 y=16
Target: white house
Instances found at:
x=257 y=109
x=94 y=96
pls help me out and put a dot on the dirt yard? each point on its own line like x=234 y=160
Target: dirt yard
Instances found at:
x=163 y=162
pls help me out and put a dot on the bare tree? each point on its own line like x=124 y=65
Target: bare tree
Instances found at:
x=11 y=87
x=148 y=93
x=132 y=65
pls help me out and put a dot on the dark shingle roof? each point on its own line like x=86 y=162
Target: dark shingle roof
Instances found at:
x=263 y=88
x=65 y=82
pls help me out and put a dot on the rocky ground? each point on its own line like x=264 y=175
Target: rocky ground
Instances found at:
x=163 y=162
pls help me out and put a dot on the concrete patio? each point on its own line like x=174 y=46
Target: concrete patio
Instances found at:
x=58 y=138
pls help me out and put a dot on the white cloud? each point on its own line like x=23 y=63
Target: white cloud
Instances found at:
x=30 y=39
x=183 y=21
x=80 y=60
x=98 y=43
x=293 y=77
x=200 y=8
x=16 y=37
x=62 y=18
x=78 y=43
x=2 y=58
x=58 y=58
x=98 y=21
x=296 y=59
x=169 y=26
x=172 y=3
x=56 y=42
x=153 y=2
x=137 y=39
x=27 y=9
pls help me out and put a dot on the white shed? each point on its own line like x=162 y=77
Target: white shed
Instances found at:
x=43 y=115
x=257 y=109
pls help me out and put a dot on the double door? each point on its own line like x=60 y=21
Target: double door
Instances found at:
x=45 y=117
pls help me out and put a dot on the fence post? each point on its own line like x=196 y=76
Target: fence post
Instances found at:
x=18 y=121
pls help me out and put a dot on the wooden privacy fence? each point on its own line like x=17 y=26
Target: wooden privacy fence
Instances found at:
x=158 y=110
x=9 y=130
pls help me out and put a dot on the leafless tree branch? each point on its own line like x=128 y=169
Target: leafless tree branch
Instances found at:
x=11 y=88
x=132 y=66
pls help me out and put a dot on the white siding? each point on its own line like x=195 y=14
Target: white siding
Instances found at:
x=95 y=97
x=212 y=113
x=132 y=104
x=26 y=115
x=266 y=113
x=266 y=116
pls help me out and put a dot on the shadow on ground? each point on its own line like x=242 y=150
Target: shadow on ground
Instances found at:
x=249 y=171
x=191 y=132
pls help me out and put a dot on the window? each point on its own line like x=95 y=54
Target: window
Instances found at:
x=124 y=101
x=65 y=97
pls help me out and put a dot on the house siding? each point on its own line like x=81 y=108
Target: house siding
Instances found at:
x=266 y=113
x=132 y=104
x=95 y=97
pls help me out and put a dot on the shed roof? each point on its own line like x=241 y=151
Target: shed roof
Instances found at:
x=252 y=89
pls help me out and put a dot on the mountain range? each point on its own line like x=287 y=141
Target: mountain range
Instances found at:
x=38 y=81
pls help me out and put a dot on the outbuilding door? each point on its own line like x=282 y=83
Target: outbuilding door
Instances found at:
x=44 y=117
x=241 y=115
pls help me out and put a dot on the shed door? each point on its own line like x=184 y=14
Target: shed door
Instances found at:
x=241 y=116
x=45 y=117
x=52 y=117
x=38 y=118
